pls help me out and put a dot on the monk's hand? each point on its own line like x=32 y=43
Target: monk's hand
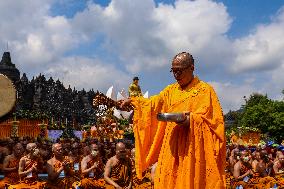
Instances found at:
x=124 y=103
x=184 y=122
x=95 y=165
x=66 y=164
x=34 y=167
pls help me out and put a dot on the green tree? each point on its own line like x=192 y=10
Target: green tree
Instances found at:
x=264 y=114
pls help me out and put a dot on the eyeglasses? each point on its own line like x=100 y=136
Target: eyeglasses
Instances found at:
x=178 y=70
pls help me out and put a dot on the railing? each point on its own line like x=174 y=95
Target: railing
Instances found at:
x=25 y=128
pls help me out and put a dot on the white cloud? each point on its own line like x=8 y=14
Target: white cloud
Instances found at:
x=81 y=72
x=147 y=36
x=35 y=38
x=263 y=49
x=231 y=95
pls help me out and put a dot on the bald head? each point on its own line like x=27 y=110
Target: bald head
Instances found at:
x=57 y=150
x=184 y=59
x=120 y=146
x=94 y=150
x=33 y=150
x=245 y=156
x=94 y=147
x=278 y=153
x=120 y=151
x=18 y=145
x=18 y=149
x=235 y=152
x=182 y=69
x=31 y=146
x=281 y=158
x=56 y=146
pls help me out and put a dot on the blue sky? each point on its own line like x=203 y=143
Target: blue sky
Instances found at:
x=238 y=45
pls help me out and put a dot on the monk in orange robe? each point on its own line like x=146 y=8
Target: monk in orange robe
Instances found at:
x=278 y=168
x=92 y=169
x=190 y=153
x=29 y=166
x=11 y=166
x=118 y=170
x=75 y=158
x=137 y=183
x=61 y=174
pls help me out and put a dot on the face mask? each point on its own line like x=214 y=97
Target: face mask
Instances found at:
x=94 y=153
x=36 y=152
x=246 y=159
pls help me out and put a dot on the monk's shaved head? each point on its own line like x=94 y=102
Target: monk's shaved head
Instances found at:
x=31 y=146
x=183 y=59
x=120 y=146
x=278 y=153
x=57 y=150
x=281 y=158
x=120 y=150
x=94 y=147
x=18 y=149
x=18 y=145
x=55 y=146
x=182 y=68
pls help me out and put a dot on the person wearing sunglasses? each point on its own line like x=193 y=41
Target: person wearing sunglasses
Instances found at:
x=191 y=152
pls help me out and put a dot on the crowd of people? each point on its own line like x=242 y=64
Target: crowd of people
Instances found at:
x=69 y=163
x=255 y=167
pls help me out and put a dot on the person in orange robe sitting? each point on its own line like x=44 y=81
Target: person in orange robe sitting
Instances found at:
x=11 y=166
x=75 y=157
x=92 y=169
x=278 y=168
x=118 y=170
x=29 y=167
x=61 y=174
x=263 y=172
x=190 y=153
x=242 y=171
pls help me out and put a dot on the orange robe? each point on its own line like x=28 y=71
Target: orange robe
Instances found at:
x=121 y=174
x=145 y=182
x=96 y=181
x=11 y=177
x=280 y=179
x=188 y=157
x=30 y=182
x=77 y=167
x=66 y=182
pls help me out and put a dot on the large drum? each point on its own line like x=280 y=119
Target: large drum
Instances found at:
x=7 y=95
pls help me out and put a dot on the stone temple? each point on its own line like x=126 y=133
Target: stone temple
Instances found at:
x=8 y=68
